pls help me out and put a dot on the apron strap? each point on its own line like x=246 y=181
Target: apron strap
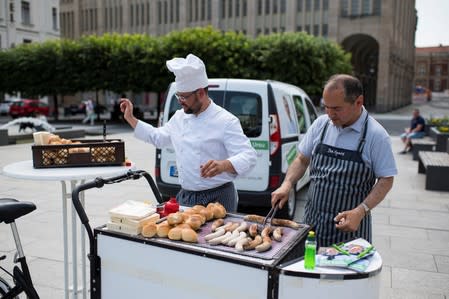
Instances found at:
x=323 y=133
x=363 y=135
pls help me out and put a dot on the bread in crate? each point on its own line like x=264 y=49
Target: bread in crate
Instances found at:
x=52 y=151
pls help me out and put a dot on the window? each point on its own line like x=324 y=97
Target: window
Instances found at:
x=275 y=7
x=267 y=7
x=308 y=5
x=355 y=8
x=237 y=8
x=27 y=41
x=11 y=12
x=297 y=100
x=376 y=7
x=438 y=70
x=54 y=15
x=325 y=4
x=324 y=30
x=366 y=9
x=316 y=30
x=316 y=5
x=247 y=107
x=344 y=8
x=311 y=110
x=299 y=5
x=26 y=17
x=421 y=69
x=245 y=8
x=283 y=6
x=259 y=7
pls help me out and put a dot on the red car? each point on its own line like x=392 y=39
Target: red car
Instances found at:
x=28 y=107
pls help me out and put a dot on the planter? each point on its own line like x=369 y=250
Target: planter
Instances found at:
x=441 y=139
x=428 y=130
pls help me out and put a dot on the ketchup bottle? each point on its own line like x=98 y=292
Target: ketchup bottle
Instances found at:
x=171 y=206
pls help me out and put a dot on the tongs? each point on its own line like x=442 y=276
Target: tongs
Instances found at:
x=269 y=217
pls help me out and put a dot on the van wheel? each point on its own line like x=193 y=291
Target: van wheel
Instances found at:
x=288 y=211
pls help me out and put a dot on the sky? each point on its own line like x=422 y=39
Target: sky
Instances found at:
x=433 y=23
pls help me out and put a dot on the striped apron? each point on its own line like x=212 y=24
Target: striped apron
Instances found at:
x=225 y=194
x=340 y=181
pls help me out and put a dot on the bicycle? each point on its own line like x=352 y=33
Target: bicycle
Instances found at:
x=10 y=210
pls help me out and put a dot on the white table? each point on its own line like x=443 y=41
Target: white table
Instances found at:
x=25 y=170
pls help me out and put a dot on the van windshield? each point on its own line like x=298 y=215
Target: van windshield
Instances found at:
x=246 y=106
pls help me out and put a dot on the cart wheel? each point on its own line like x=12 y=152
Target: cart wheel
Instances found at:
x=5 y=288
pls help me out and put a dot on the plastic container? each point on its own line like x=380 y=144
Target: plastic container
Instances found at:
x=171 y=206
x=310 y=251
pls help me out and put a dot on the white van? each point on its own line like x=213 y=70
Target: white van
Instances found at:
x=273 y=115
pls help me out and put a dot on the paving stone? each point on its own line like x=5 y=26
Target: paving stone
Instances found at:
x=409 y=260
x=420 y=281
x=424 y=219
x=400 y=231
x=438 y=235
x=389 y=293
x=442 y=262
x=411 y=245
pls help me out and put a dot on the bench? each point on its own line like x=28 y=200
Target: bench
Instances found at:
x=424 y=144
x=436 y=167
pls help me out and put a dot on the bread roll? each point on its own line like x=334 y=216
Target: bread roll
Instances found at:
x=189 y=235
x=219 y=211
x=207 y=213
x=198 y=208
x=183 y=225
x=163 y=229
x=194 y=222
x=199 y=217
x=175 y=218
x=175 y=233
x=149 y=230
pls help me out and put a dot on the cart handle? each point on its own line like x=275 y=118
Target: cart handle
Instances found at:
x=99 y=183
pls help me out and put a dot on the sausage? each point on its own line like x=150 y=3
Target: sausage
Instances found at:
x=218 y=240
x=266 y=231
x=232 y=227
x=254 y=218
x=274 y=221
x=252 y=244
x=266 y=245
x=240 y=243
x=277 y=234
x=286 y=222
x=242 y=227
x=216 y=234
x=242 y=235
x=253 y=230
x=233 y=235
x=216 y=224
x=227 y=225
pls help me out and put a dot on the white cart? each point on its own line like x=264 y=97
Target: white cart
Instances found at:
x=125 y=266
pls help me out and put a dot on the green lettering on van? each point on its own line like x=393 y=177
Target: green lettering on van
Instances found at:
x=259 y=144
x=291 y=155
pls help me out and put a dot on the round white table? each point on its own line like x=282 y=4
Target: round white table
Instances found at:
x=74 y=175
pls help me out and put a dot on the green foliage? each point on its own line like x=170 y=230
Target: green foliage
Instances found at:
x=137 y=62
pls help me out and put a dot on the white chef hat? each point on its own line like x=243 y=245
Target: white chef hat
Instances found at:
x=190 y=73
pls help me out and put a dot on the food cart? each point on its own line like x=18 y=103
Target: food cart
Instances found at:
x=123 y=265
x=134 y=266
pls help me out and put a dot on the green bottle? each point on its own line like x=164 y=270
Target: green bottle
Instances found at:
x=310 y=248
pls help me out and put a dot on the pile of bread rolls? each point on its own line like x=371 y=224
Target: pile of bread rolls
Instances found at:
x=182 y=226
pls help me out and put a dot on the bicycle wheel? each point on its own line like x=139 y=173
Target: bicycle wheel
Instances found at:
x=4 y=288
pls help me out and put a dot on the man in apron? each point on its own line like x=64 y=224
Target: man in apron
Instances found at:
x=351 y=165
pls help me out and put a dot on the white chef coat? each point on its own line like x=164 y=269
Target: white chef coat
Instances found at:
x=215 y=134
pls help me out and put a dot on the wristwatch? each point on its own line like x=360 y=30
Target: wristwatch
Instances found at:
x=366 y=208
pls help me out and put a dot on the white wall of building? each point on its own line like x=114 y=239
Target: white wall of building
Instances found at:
x=24 y=21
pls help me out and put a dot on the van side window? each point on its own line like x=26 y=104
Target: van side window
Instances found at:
x=300 y=113
x=247 y=107
x=311 y=110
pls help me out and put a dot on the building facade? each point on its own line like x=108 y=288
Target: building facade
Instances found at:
x=431 y=68
x=28 y=21
x=380 y=34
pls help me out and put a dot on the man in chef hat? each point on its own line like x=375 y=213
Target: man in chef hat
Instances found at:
x=211 y=149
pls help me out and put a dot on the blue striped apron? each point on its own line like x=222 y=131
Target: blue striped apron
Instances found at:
x=225 y=194
x=340 y=181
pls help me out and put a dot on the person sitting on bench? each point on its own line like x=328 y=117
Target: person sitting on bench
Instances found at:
x=416 y=130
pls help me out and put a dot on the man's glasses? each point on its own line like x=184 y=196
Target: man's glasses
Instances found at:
x=184 y=97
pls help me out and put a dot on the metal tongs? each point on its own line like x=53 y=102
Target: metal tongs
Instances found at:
x=269 y=217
